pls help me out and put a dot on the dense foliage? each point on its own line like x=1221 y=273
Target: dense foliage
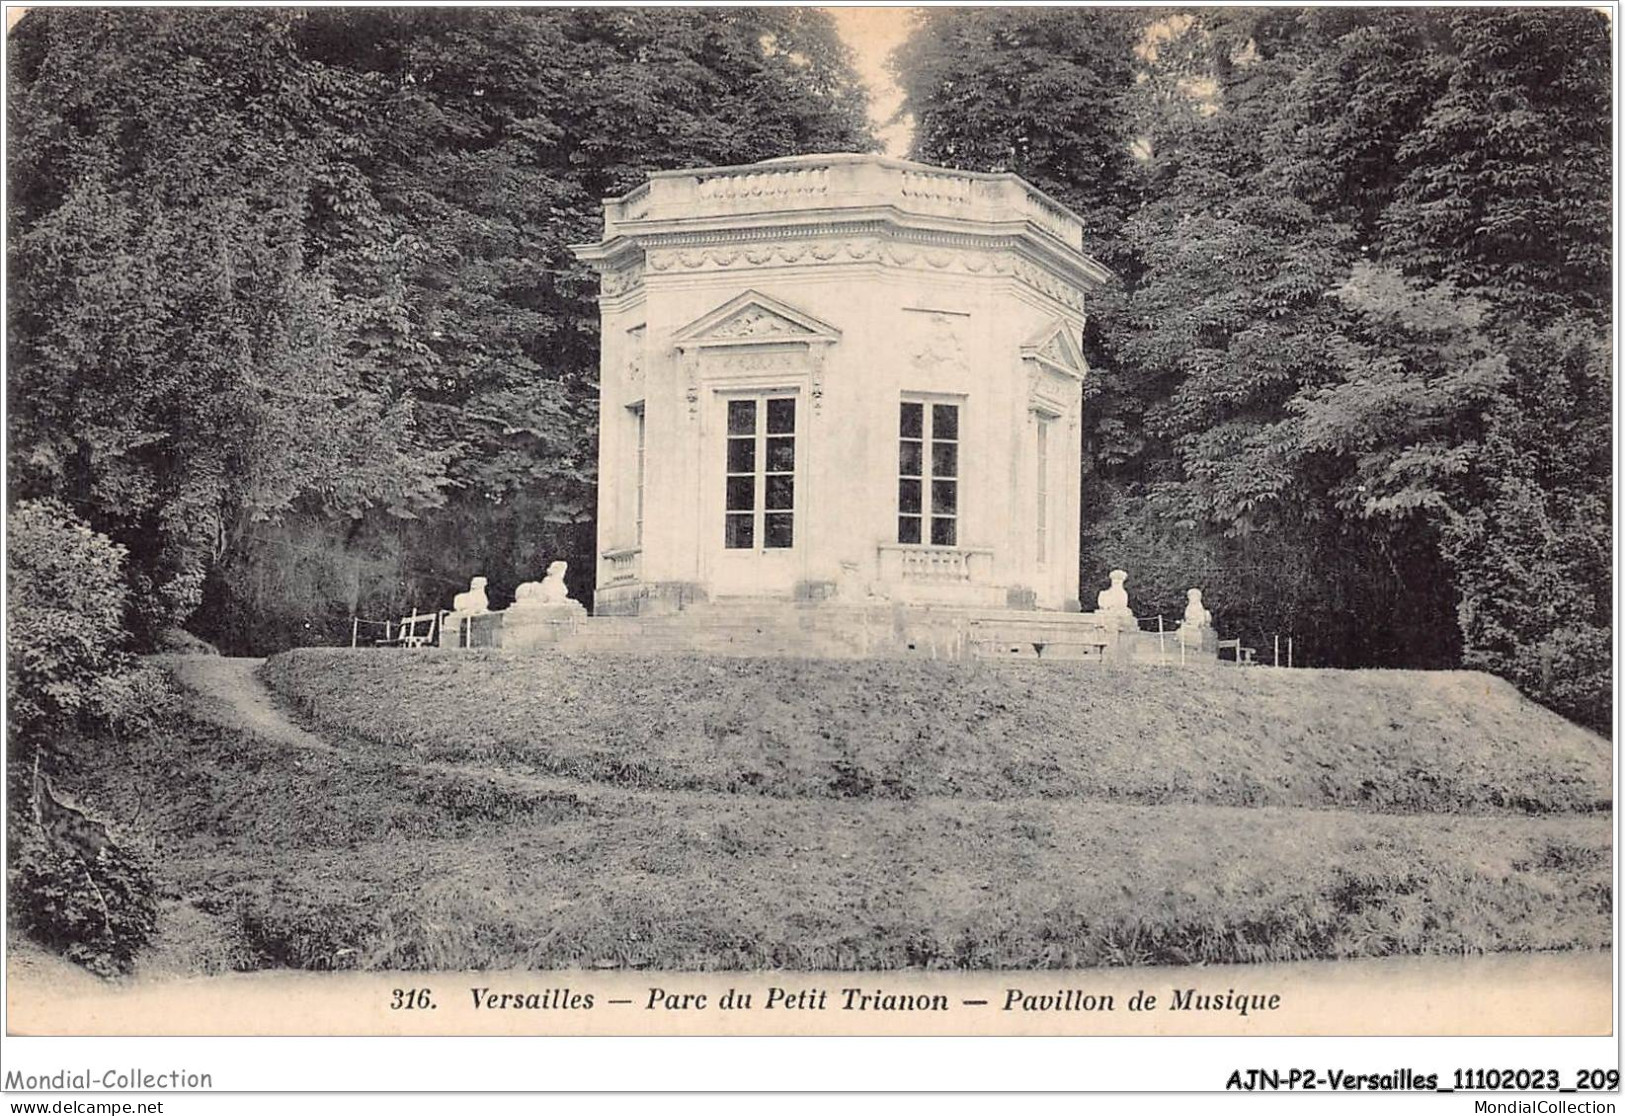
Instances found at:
x=294 y=320
x=293 y=315
x=67 y=672
x=67 y=661
x=295 y=333
x=1355 y=377
x=97 y=911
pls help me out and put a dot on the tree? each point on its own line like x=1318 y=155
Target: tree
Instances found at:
x=1487 y=174
x=179 y=366
x=1037 y=92
x=1223 y=320
x=298 y=284
x=1362 y=270
x=500 y=133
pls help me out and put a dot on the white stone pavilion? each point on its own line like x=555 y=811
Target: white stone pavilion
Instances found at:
x=840 y=378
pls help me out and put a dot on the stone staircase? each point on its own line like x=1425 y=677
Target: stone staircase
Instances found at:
x=741 y=626
x=749 y=627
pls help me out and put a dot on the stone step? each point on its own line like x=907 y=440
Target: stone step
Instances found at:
x=742 y=627
x=742 y=651
x=720 y=635
x=728 y=627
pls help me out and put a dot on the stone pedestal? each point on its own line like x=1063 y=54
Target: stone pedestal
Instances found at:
x=540 y=625
x=454 y=627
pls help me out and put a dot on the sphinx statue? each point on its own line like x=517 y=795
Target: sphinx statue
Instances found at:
x=1112 y=606
x=551 y=590
x=473 y=602
x=543 y=612
x=1197 y=619
x=1196 y=614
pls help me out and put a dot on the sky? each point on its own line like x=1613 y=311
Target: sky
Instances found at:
x=872 y=33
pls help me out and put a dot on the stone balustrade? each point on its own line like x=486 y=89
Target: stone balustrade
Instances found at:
x=902 y=562
x=809 y=182
x=841 y=181
x=1053 y=218
x=934 y=185
x=635 y=206
x=622 y=564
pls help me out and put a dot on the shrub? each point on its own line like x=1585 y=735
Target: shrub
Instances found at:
x=97 y=912
x=65 y=615
x=67 y=671
x=1570 y=670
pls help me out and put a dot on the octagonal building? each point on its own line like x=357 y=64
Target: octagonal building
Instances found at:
x=842 y=378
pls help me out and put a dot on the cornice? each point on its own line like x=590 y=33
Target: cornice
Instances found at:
x=1013 y=260
x=882 y=222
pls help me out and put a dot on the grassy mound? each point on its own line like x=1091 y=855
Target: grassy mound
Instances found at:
x=1377 y=740
x=274 y=856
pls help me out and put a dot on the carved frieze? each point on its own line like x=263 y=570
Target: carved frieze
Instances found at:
x=737 y=363
x=901 y=253
x=1046 y=283
x=750 y=337
x=785 y=364
x=620 y=280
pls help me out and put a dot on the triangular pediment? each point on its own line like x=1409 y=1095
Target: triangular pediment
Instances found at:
x=1055 y=347
x=754 y=318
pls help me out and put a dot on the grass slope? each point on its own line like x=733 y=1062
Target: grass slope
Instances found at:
x=1384 y=740
x=272 y=855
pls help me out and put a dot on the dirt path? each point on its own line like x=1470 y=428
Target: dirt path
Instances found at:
x=231 y=694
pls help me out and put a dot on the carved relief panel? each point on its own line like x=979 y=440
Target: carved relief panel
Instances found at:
x=1055 y=372
x=937 y=344
x=632 y=368
x=750 y=339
